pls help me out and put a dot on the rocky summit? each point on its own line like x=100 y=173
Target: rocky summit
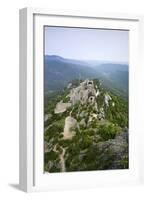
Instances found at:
x=86 y=128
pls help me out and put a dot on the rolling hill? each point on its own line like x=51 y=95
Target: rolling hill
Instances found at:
x=58 y=72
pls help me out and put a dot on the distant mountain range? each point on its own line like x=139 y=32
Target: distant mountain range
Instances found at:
x=59 y=71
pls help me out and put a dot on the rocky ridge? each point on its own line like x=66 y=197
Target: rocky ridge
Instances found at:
x=87 y=130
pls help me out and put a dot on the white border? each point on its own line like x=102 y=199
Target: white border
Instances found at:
x=31 y=76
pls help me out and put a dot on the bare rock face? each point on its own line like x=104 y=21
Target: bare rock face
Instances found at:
x=91 y=99
x=101 y=113
x=107 y=99
x=97 y=93
x=61 y=107
x=70 y=125
x=82 y=93
x=118 y=148
x=69 y=85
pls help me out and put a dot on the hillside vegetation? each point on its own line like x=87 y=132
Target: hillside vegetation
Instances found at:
x=85 y=128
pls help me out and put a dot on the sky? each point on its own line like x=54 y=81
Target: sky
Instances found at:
x=87 y=44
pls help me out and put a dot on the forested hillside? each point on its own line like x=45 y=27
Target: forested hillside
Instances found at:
x=85 y=128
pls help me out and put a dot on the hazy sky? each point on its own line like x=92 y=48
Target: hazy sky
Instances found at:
x=87 y=44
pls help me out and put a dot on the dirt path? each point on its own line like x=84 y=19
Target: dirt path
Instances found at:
x=62 y=160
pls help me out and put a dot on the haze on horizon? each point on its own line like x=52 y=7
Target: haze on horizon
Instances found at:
x=87 y=44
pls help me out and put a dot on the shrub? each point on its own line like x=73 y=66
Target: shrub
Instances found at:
x=107 y=131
